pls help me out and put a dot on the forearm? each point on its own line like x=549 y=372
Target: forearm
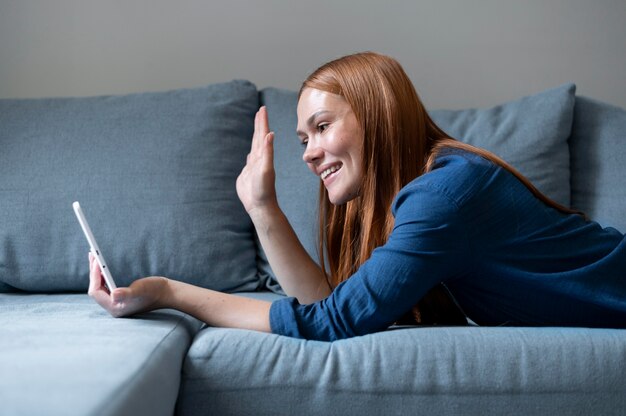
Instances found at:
x=297 y=273
x=216 y=308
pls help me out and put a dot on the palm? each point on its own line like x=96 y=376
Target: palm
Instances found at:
x=256 y=183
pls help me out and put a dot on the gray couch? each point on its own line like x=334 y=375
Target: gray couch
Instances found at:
x=155 y=174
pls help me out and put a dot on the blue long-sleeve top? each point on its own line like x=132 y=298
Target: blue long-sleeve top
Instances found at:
x=505 y=256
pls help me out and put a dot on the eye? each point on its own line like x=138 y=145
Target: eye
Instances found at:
x=322 y=126
x=304 y=142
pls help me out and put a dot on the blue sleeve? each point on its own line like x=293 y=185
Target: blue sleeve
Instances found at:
x=428 y=245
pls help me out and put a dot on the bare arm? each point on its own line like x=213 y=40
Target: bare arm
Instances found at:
x=155 y=292
x=296 y=272
x=216 y=308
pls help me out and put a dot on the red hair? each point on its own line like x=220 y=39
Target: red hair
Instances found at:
x=400 y=143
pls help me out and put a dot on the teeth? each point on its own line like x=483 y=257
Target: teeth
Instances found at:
x=329 y=171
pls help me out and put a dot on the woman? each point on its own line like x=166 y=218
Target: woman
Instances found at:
x=412 y=224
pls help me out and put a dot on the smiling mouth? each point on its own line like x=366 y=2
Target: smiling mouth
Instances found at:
x=329 y=171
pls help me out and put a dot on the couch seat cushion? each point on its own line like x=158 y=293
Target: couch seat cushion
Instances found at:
x=429 y=371
x=64 y=355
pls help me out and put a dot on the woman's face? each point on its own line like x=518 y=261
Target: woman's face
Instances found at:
x=333 y=141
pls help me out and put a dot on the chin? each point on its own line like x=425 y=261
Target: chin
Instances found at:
x=337 y=202
x=342 y=199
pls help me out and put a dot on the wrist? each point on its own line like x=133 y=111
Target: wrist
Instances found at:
x=264 y=214
x=166 y=294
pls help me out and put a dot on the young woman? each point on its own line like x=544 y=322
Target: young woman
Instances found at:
x=413 y=225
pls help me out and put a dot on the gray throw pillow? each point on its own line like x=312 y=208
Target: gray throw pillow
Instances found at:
x=530 y=133
x=598 y=147
x=155 y=174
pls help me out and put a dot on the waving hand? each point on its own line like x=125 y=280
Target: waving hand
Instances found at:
x=256 y=183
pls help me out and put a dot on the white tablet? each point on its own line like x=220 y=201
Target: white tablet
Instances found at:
x=93 y=245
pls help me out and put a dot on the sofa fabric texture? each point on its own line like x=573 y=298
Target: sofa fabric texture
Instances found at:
x=598 y=155
x=420 y=371
x=155 y=174
x=62 y=354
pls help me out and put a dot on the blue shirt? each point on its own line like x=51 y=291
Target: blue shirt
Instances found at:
x=505 y=256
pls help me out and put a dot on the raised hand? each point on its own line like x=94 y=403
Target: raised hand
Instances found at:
x=256 y=182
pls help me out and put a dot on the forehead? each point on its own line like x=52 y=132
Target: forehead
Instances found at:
x=312 y=101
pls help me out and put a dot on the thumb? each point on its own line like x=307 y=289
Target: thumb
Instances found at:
x=120 y=294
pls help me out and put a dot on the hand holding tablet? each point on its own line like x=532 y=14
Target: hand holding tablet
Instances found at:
x=93 y=246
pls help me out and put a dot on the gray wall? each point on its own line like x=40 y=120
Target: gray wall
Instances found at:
x=459 y=53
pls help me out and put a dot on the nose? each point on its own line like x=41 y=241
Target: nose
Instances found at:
x=312 y=153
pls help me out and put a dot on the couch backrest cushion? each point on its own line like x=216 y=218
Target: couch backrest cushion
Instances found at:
x=598 y=162
x=155 y=174
x=530 y=133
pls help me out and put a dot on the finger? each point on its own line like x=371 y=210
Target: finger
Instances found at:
x=103 y=299
x=261 y=128
x=98 y=291
x=120 y=294
x=269 y=148
x=255 y=136
x=264 y=125
x=95 y=278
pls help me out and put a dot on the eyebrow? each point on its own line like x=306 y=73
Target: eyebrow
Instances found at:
x=311 y=119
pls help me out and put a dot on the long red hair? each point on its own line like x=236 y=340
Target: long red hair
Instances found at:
x=400 y=143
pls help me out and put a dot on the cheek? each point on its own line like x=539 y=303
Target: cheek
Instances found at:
x=347 y=145
x=311 y=168
x=355 y=149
